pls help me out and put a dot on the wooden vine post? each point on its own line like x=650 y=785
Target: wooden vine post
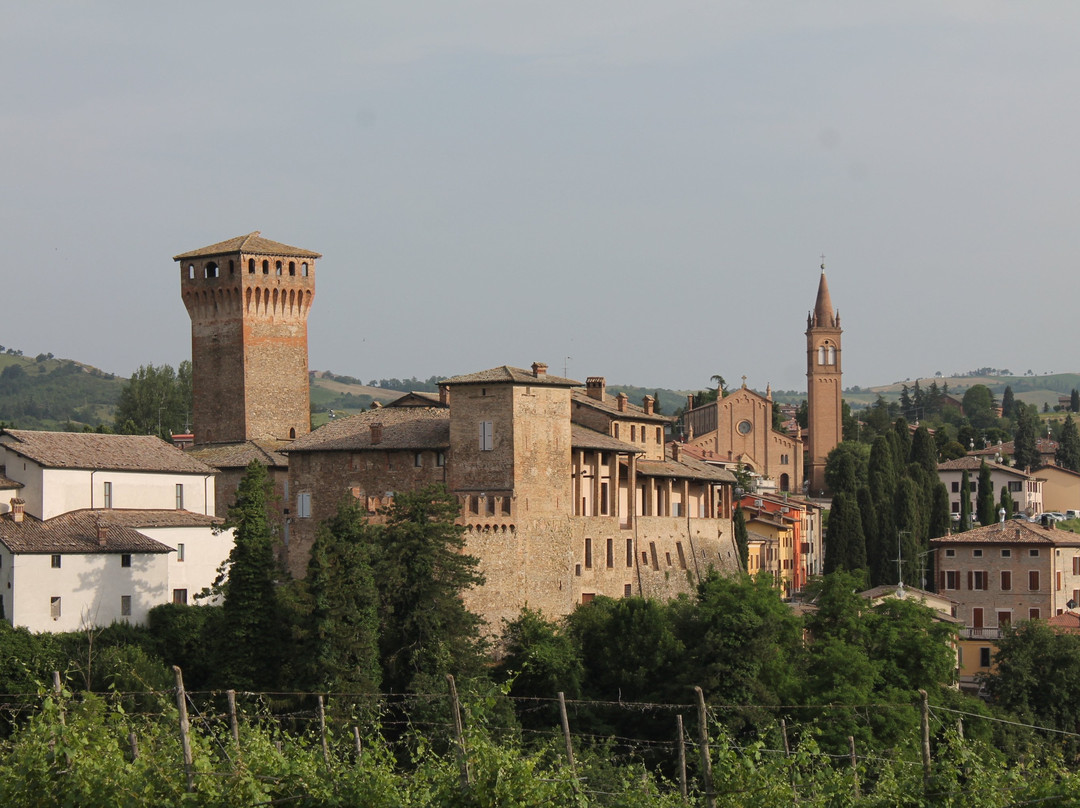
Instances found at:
x=185 y=728
x=703 y=741
x=459 y=733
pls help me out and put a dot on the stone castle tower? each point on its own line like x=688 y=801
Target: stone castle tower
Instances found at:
x=248 y=299
x=823 y=386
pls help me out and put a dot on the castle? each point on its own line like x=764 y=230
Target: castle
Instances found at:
x=567 y=492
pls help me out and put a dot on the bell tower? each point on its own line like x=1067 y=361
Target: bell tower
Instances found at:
x=823 y=386
x=248 y=299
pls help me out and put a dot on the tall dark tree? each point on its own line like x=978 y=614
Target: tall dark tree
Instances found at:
x=902 y=445
x=252 y=637
x=978 y=405
x=1068 y=451
x=883 y=479
x=940 y=516
x=985 y=496
x=845 y=547
x=910 y=516
x=965 y=502
x=422 y=571
x=845 y=467
x=1007 y=503
x=343 y=634
x=924 y=450
x=742 y=536
x=1025 y=446
x=1074 y=400
x=1008 y=402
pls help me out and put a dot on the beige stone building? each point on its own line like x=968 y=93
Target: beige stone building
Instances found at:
x=566 y=491
x=1025 y=489
x=1061 y=488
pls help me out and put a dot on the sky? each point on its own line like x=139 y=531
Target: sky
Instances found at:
x=636 y=190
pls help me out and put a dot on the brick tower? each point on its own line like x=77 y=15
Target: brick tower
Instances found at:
x=823 y=386
x=248 y=299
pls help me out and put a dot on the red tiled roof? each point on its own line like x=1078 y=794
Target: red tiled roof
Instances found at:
x=610 y=407
x=77 y=532
x=240 y=455
x=505 y=374
x=1014 y=531
x=414 y=428
x=252 y=243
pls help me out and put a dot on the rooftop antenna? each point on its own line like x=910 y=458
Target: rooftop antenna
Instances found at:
x=565 y=372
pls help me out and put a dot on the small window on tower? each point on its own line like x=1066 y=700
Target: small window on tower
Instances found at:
x=304 y=269
x=266 y=267
x=191 y=272
x=251 y=266
x=277 y=268
x=292 y=267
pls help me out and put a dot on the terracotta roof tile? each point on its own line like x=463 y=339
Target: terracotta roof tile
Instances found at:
x=609 y=406
x=240 y=455
x=505 y=374
x=1014 y=531
x=90 y=450
x=76 y=532
x=414 y=428
x=252 y=243
x=581 y=437
x=973 y=463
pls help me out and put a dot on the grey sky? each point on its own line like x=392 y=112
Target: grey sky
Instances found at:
x=642 y=186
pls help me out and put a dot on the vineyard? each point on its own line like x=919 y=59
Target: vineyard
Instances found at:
x=173 y=747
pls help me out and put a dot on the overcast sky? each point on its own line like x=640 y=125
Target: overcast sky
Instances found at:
x=639 y=190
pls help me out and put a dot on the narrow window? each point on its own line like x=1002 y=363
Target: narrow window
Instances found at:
x=652 y=552
x=303 y=505
x=682 y=555
x=179 y=496
x=292 y=267
x=179 y=552
x=832 y=355
x=604 y=499
x=125 y=605
x=1033 y=614
x=440 y=459
x=179 y=597
x=1006 y=581
x=266 y=267
x=610 y=553
x=956 y=486
x=984 y=657
x=54 y=607
x=107 y=495
x=627 y=590
x=633 y=433
x=821 y=355
x=251 y=266
x=615 y=430
x=629 y=552
x=418 y=460
x=667 y=557
x=55 y=560
x=1076 y=565
x=659 y=434
x=277 y=268
x=485 y=436
x=304 y=269
x=125 y=560
x=1033 y=580
x=191 y=272
x=588 y=554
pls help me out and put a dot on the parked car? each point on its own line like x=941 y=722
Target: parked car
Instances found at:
x=1072 y=514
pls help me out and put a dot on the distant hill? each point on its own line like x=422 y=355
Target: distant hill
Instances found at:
x=1030 y=389
x=47 y=393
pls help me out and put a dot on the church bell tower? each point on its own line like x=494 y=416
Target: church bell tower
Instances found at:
x=823 y=386
x=248 y=299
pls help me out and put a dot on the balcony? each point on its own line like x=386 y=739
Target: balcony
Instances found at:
x=969 y=633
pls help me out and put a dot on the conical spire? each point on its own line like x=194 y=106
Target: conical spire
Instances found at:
x=823 y=310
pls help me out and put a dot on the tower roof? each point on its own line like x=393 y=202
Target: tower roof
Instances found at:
x=252 y=243
x=823 y=310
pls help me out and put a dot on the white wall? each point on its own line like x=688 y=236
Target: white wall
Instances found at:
x=90 y=587
x=204 y=551
x=69 y=490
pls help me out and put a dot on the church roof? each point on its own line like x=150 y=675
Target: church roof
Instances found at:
x=252 y=243
x=240 y=455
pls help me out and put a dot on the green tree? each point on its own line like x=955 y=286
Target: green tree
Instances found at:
x=742 y=537
x=541 y=657
x=343 y=636
x=1068 y=451
x=978 y=406
x=421 y=571
x=1025 y=446
x=924 y=450
x=985 y=496
x=845 y=467
x=252 y=638
x=1007 y=503
x=965 y=502
x=845 y=546
x=1008 y=402
x=1074 y=400
x=1035 y=675
x=155 y=401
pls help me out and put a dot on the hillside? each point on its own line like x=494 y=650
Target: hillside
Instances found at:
x=45 y=393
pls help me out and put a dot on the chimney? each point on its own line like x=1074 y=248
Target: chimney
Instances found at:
x=596 y=386
x=18 y=509
x=376 y=433
x=620 y=401
x=444 y=395
x=102 y=532
x=647 y=404
x=539 y=369
x=675 y=451
x=689 y=403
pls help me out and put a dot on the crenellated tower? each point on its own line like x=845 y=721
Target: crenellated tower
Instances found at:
x=823 y=387
x=248 y=299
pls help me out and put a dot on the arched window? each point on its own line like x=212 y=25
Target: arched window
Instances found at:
x=292 y=267
x=785 y=482
x=303 y=269
x=191 y=272
x=232 y=267
x=251 y=266
x=292 y=432
x=211 y=270
x=832 y=355
x=821 y=355
x=266 y=267
x=277 y=267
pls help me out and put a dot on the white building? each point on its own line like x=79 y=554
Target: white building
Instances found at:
x=98 y=528
x=1025 y=489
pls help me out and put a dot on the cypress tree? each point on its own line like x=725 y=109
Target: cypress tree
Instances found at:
x=1007 y=502
x=343 y=641
x=845 y=548
x=907 y=511
x=1074 y=400
x=985 y=496
x=924 y=450
x=1025 y=448
x=1008 y=402
x=882 y=483
x=965 y=502
x=252 y=637
x=742 y=537
x=1068 y=451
